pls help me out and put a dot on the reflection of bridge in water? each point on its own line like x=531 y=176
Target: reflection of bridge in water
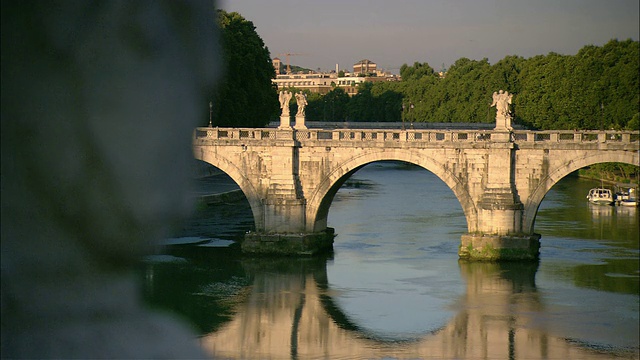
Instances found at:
x=290 y=314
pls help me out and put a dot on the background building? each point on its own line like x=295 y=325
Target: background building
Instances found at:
x=315 y=82
x=322 y=83
x=277 y=65
x=365 y=66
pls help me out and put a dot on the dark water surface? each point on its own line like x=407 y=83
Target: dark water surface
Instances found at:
x=394 y=287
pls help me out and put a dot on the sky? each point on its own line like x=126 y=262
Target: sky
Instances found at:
x=439 y=32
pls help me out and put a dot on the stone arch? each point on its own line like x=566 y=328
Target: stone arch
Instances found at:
x=319 y=202
x=535 y=199
x=229 y=168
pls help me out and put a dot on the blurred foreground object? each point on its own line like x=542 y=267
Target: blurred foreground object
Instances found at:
x=99 y=99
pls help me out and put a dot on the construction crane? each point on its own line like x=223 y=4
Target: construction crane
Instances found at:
x=389 y=68
x=288 y=60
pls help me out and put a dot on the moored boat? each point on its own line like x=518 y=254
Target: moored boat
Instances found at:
x=628 y=202
x=600 y=196
x=626 y=196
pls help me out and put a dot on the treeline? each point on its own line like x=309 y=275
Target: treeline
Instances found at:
x=245 y=96
x=612 y=172
x=598 y=88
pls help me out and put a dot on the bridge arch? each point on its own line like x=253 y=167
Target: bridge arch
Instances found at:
x=228 y=167
x=320 y=201
x=561 y=170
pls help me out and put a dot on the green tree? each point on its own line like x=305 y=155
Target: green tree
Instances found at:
x=375 y=102
x=361 y=105
x=246 y=96
x=334 y=105
x=538 y=102
x=619 y=84
x=415 y=72
x=465 y=93
x=598 y=88
x=388 y=101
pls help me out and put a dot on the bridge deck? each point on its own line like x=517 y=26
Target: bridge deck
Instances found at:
x=421 y=136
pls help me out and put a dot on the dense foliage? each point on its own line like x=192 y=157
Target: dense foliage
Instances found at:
x=246 y=96
x=598 y=88
x=612 y=172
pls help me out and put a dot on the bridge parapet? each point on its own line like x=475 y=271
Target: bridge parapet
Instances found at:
x=422 y=136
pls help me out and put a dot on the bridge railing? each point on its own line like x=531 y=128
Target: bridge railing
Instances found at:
x=411 y=135
x=578 y=136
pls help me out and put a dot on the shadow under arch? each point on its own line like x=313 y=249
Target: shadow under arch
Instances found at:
x=533 y=202
x=320 y=201
x=222 y=163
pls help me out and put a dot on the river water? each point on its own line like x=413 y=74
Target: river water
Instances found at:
x=394 y=288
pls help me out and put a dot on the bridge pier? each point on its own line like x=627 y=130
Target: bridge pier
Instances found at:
x=483 y=247
x=284 y=231
x=499 y=234
x=290 y=244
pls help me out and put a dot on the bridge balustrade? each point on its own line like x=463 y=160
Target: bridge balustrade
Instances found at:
x=384 y=135
x=570 y=136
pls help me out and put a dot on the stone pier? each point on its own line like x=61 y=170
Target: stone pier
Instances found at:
x=303 y=244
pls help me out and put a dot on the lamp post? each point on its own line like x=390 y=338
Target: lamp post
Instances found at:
x=210 y=113
x=601 y=116
x=402 y=116
x=411 y=111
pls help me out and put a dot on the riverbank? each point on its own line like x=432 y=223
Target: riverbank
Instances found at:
x=613 y=174
x=222 y=197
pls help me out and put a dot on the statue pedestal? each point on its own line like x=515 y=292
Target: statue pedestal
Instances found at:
x=285 y=122
x=502 y=136
x=503 y=123
x=300 y=123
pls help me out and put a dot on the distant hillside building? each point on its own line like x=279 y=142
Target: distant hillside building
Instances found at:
x=322 y=83
x=365 y=66
x=315 y=82
x=277 y=65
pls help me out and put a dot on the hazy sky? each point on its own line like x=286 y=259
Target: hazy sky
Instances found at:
x=393 y=32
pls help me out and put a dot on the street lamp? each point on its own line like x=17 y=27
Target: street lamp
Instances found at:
x=601 y=116
x=210 y=113
x=411 y=112
x=402 y=116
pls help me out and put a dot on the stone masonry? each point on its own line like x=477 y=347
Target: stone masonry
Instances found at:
x=500 y=177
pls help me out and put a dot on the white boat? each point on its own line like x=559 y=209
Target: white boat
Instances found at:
x=600 y=196
x=627 y=197
x=628 y=202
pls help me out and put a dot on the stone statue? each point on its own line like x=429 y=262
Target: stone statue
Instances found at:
x=502 y=100
x=96 y=161
x=302 y=103
x=285 y=97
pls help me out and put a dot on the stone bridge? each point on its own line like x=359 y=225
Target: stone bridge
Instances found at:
x=290 y=177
